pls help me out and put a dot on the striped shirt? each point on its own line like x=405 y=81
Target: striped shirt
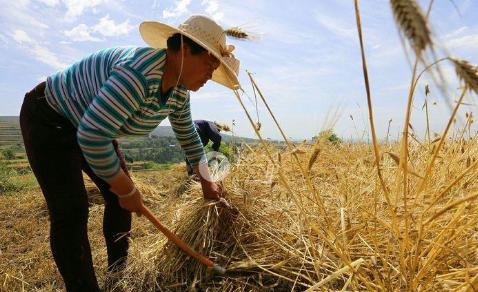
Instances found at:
x=117 y=92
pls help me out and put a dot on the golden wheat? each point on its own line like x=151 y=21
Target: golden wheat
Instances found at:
x=237 y=32
x=467 y=73
x=412 y=22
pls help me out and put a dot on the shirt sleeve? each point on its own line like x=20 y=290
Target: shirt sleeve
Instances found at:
x=186 y=134
x=117 y=100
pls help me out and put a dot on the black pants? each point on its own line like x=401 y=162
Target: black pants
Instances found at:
x=57 y=162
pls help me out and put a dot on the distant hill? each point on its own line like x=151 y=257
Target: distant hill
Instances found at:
x=10 y=119
x=227 y=138
x=167 y=131
x=10 y=132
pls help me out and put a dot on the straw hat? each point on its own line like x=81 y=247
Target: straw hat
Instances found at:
x=206 y=33
x=222 y=127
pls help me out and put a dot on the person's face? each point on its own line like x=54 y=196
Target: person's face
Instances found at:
x=198 y=69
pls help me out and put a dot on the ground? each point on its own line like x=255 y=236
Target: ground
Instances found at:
x=27 y=262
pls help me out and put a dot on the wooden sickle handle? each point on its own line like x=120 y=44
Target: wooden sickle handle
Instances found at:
x=178 y=242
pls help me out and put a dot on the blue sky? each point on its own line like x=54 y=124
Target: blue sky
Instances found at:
x=306 y=59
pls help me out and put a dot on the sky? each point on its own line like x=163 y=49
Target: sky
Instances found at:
x=305 y=58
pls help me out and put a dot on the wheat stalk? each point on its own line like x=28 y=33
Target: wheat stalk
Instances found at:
x=412 y=22
x=376 y=149
x=467 y=73
x=396 y=159
x=352 y=267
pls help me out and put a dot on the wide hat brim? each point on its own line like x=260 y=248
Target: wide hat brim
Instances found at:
x=156 y=34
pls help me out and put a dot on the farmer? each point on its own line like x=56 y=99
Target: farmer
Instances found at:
x=208 y=131
x=69 y=124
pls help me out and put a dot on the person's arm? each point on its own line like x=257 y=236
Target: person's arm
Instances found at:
x=215 y=137
x=121 y=157
x=188 y=138
x=117 y=100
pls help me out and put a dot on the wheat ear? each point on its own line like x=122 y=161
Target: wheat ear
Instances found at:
x=467 y=73
x=237 y=32
x=412 y=22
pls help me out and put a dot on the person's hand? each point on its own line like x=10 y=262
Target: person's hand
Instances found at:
x=128 y=195
x=132 y=203
x=211 y=190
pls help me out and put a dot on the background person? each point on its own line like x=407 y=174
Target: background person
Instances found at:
x=208 y=131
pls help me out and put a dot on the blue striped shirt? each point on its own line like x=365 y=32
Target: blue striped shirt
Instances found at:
x=117 y=92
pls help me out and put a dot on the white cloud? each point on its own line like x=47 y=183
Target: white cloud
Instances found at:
x=21 y=37
x=81 y=33
x=46 y=56
x=50 y=3
x=109 y=28
x=276 y=31
x=462 y=38
x=456 y=32
x=464 y=42
x=212 y=8
x=76 y=7
x=105 y=27
x=180 y=9
x=337 y=27
x=39 y=51
x=3 y=41
x=18 y=12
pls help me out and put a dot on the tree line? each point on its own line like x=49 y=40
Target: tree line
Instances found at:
x=158 y=149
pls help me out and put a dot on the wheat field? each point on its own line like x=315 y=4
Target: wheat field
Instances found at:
x=271 y=238
x=308 y=217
